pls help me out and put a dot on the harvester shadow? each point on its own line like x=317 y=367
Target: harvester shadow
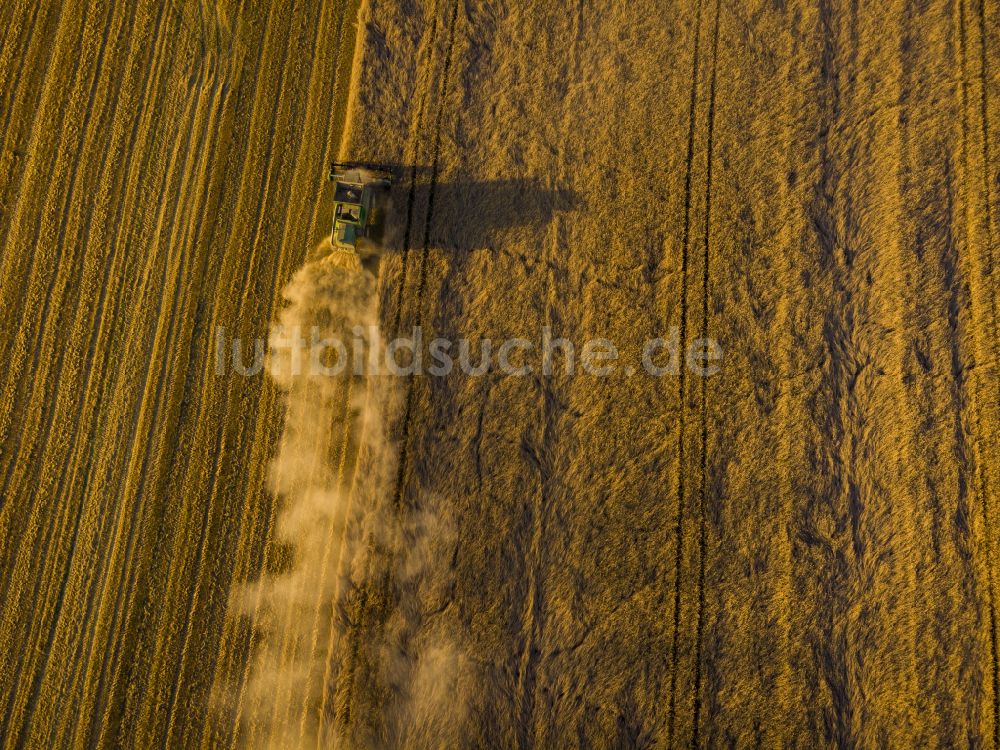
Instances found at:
x=468 y=214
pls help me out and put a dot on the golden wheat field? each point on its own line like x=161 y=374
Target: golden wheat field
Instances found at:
x=778 y=528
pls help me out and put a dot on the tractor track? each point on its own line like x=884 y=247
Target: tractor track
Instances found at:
x=703 y=484
x=681 y=381
x=984 y=79
x=985 y=505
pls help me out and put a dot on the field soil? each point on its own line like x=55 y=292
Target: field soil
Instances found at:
x=798 y=549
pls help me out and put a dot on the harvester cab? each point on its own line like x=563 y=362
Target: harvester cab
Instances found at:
x=359 y=203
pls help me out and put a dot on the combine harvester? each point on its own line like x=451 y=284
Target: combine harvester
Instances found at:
x=360 y=204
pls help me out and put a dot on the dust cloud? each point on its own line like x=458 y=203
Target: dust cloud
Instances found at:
x=338 y=532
